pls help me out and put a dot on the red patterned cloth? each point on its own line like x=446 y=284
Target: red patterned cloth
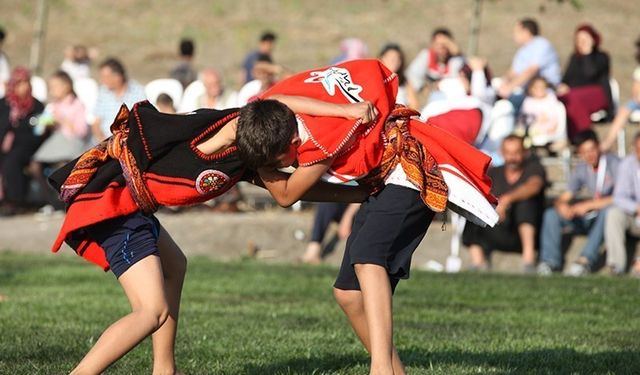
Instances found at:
x=360 y=150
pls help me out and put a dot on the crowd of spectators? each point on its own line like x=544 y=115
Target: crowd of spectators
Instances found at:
x=532 y=109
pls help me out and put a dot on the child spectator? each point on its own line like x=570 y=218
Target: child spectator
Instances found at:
x=265 y=48
x=540 y=120
x=69 y=131
x=164 y=103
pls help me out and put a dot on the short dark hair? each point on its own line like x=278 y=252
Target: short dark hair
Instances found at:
x=514 y=137
x=268 y=36
x=264 y=57
x=66 y=78
x=531 y=25
x=441 y=31
x=115 y=66
x=3 y=34
x=265 y=130
x=585 y=136
x=186 y=47
x=164 y=99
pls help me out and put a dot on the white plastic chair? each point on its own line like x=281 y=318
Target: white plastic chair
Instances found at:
x=190 y=97
x=87 y=91
x=169 y=86
x=39 y=88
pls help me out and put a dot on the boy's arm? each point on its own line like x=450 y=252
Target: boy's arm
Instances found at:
x=314 y=107
x=324 y=191
x=288 y=189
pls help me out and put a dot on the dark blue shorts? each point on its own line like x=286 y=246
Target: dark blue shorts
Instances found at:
x=126 y=240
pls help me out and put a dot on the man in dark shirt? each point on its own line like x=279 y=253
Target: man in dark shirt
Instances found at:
x=184 y=71
x=519 y=186
x=265 y=47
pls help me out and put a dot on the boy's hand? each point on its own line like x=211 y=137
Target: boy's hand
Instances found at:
x=363 y=110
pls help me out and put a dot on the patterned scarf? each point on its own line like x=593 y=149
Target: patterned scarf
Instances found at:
x=114 y=147
x=20 y=106
x=418 y=164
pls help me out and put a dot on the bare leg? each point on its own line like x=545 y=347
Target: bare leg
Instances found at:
x=527 y=234
x=144 y=286
x=352 y=304
x=313 y=254
x=477 y=255
x=376 y=294
x=174 y=267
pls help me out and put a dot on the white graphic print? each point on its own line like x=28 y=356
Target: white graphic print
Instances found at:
x=340 y=78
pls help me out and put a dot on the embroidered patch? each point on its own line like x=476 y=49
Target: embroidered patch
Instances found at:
x=211 y=181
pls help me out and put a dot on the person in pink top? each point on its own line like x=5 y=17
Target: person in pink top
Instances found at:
x=64 y=120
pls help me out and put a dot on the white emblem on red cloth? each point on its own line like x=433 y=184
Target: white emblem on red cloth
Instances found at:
x=340 y=78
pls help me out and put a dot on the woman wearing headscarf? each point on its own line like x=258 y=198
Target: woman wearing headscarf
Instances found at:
x=18 y=142
x=585 y=85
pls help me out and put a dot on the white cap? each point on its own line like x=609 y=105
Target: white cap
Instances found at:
x=636 y=74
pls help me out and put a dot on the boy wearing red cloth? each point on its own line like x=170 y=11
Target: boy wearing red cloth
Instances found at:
x=414 y=170
x=152 y=159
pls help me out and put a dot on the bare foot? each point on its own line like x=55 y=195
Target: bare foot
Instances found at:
x=312 y=254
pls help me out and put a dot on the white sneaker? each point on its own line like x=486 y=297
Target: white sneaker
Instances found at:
x=544 y=269
x=577 y=269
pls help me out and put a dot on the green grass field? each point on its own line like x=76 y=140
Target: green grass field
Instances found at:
x=252 y=318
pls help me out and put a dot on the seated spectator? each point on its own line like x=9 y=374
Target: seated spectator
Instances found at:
x=585 y=87
x=535 y=57
x=265 y=73
x=183 y=71
x=326 y=213
x=115 y=90
x=164 y=103
x=519 y=186
x=441 y=60
x=76 y=63
x=624 y=215
x=498 y=116
x=216 y=95
x=476 y=78
x=68 y=132
x=467 y=110
x=573 y=213
x=265 y=48
x=622 y=117
x=351 y=49
x=5 y=70
x=539 y=120
x=18 y=112
x=392 y=57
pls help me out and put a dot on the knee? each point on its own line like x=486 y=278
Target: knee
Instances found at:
x=157 y=315
x=347 y=299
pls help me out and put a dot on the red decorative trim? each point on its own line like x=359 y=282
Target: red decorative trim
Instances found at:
x=210 y=129
x=168 y=179
x=147 y=151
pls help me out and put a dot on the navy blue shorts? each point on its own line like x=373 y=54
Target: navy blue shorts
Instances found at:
x=127 y=240
x=386 y=231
